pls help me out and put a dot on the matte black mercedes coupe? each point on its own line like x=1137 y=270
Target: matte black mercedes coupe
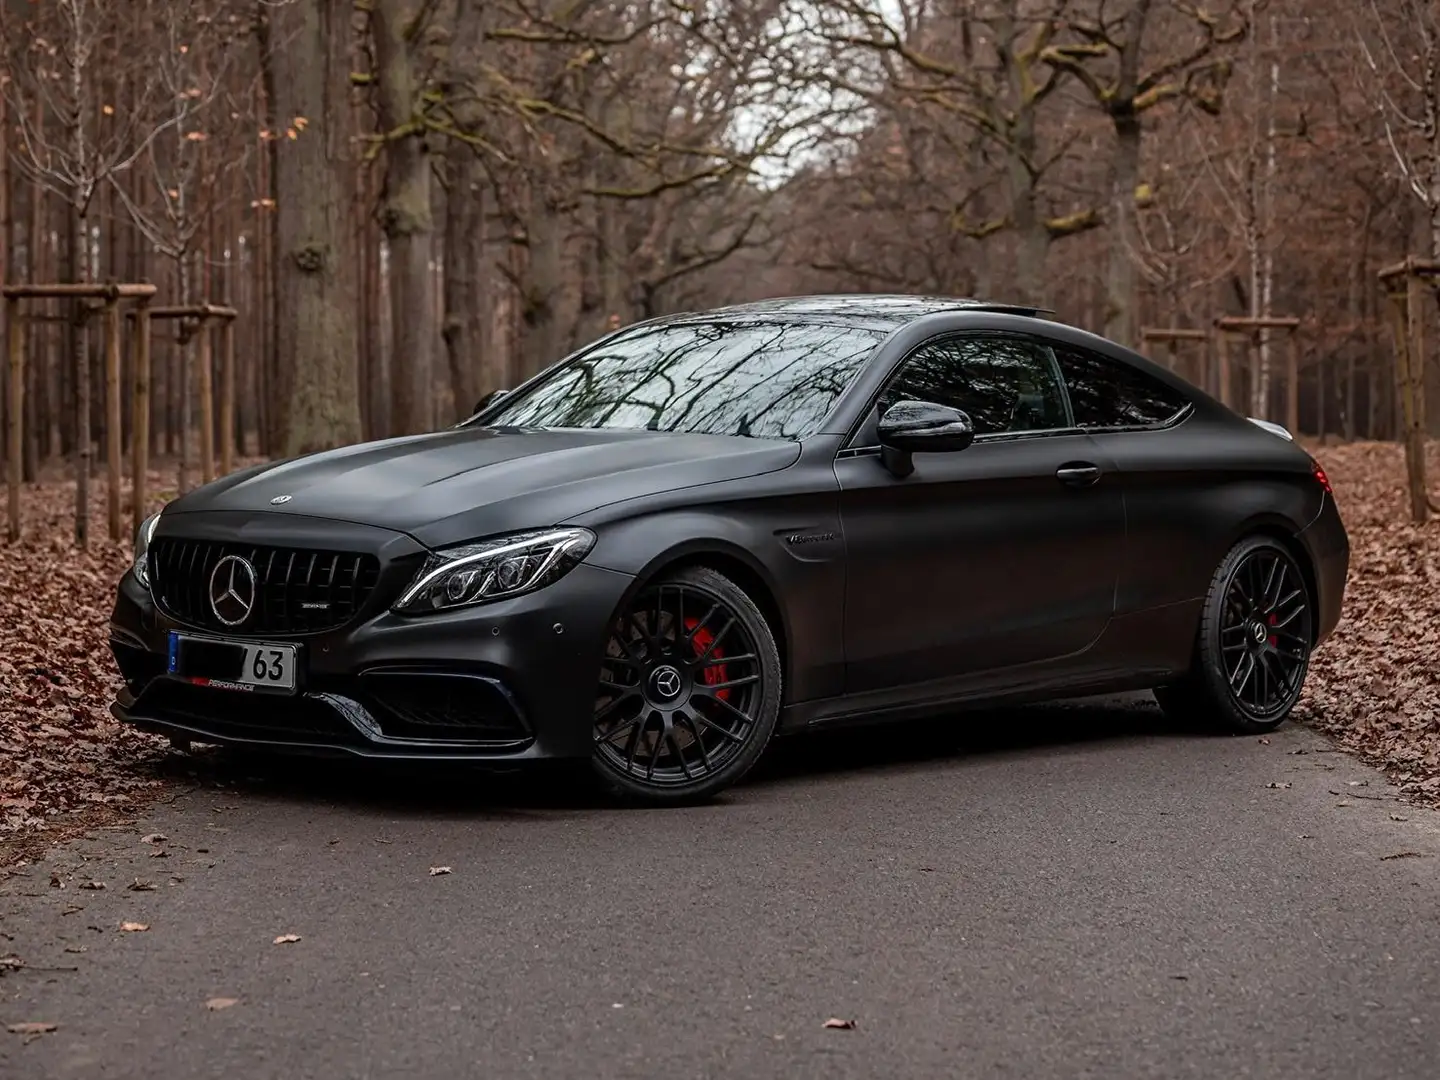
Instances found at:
x=707 y=528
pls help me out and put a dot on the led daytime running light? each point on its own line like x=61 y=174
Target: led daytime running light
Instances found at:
x=489 y=564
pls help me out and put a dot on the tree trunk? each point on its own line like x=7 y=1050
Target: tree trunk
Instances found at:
x=614 y=288
x=5 y=274
x=377 y=378
x=1120 y=261
x=315 y=272
x=15 y=378
x=1408 y=321
x=468 y=302
x=405 y=214
x=540 y=312
x=260 y=323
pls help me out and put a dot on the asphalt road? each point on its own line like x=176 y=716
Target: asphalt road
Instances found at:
x=1047 y=893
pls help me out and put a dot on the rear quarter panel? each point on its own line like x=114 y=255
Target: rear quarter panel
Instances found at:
x=1192 y=491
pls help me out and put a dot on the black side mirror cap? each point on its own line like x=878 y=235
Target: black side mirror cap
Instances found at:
x=910 y=427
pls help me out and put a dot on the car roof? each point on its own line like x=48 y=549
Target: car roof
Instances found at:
x=882 y=311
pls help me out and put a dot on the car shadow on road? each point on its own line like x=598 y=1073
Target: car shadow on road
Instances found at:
x=442 y=790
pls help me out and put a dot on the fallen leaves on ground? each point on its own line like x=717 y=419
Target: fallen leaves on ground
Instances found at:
x=435 y=871
x=287 y=939
x=1374 y=687
x=32 y=1027
x=217 y=1003
x=62 y=756
x=134 y=927
x=838 y=1024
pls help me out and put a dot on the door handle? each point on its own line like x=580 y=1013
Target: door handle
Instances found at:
x=1078 y=474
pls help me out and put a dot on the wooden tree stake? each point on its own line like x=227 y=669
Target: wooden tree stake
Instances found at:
x=1405 y=284
x=113 y=445
x=1232 y=327
x=140 y=415
x=13 y=422
x=86 y=297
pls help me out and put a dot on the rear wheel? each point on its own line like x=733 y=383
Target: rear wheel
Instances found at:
x=1254 y=643
x=689 y=690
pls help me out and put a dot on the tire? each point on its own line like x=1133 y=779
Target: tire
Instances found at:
x=1252 y=650
x=689 y=691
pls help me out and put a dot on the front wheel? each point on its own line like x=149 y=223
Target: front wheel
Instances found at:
x=689 y=690
x=1254 y=643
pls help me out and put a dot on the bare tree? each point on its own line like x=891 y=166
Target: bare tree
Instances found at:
x=57 y=54
x=194 y=171
x=1107 y=56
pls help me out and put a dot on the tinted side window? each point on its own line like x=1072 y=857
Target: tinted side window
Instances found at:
x=1004 y=384
x=1107 y=394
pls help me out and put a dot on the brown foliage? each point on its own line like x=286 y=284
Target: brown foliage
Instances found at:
x=61 y=754
x=1375 y=685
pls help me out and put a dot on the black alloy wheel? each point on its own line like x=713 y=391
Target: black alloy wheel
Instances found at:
x=1256 y=633
x=689 y=690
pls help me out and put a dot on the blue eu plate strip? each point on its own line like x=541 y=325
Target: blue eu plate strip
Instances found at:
x=174 y=651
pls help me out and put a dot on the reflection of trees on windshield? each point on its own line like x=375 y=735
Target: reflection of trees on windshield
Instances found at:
x=764 y=379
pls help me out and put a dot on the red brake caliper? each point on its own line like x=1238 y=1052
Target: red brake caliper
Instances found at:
x=1272 y=620
x=712 y=673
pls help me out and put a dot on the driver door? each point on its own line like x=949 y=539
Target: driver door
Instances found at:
x=1002 y=554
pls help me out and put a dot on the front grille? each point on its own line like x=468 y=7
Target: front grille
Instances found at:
x=300 y=591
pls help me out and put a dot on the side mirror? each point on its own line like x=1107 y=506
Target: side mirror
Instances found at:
x=489 y=399
x=910 y=427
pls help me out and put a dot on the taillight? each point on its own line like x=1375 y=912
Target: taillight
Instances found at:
x=1320 y=477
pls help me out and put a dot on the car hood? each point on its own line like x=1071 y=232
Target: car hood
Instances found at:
x=456 y=485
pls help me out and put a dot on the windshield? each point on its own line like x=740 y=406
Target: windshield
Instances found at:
x=774 y=380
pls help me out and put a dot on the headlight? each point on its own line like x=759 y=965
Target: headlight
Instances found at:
x=142 y=549
x=494 y=569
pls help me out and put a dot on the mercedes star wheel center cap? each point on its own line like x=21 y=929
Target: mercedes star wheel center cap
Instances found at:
x=665 y=683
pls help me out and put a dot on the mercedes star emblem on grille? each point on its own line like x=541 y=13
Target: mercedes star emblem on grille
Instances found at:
x=279 y=499
x=232 y=590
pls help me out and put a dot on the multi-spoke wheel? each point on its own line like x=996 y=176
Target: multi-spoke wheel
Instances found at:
x=689 y=690
x=1254 y=644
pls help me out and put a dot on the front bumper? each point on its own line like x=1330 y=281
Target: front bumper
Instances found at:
x=504 y=682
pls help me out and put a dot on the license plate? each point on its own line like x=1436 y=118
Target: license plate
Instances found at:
x=234 y=665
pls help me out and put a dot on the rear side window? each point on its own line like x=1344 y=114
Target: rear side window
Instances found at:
x=1105 y=393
